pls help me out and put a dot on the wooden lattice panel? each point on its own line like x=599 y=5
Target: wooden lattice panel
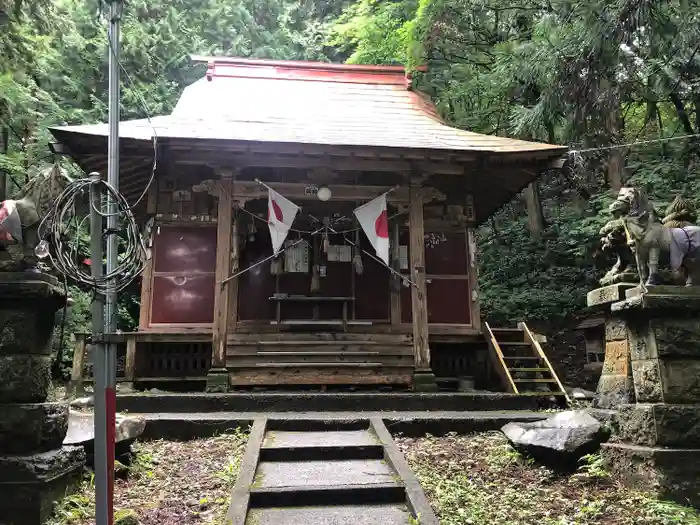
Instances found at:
x=173 y=360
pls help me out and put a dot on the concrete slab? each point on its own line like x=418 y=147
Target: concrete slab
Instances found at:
x=336 y=438
x=190 y=425
x=274 y=474
x=262 y=402
x=339 y=515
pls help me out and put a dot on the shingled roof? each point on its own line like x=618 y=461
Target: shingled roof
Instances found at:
x=243 y=111
x=310 y=103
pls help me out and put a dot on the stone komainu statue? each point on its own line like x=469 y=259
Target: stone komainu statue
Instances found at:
x=20 y=219
x=651 y=238
x=680 y=214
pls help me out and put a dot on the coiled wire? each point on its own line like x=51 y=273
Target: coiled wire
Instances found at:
x=61 y=228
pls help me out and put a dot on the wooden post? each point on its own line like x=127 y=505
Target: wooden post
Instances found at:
x=147 y=275
x=235 y=267
x=217 y=379
x=475 y=309
x=75 y=387
x=130 y=363
x=423 y=379
x=395 y=289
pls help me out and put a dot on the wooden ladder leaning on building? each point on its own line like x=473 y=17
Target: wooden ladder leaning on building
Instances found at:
x=521 y=363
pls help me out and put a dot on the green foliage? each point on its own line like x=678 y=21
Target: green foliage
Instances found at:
x=589 y=74
x=480 y=479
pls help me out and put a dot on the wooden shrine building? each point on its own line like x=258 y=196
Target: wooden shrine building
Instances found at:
x=329 y=138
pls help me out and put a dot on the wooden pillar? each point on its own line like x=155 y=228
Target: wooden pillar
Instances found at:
x=423 y=379
x=217 y=378
x=235 y=267
x=130 y=363
x=395 y=289
x=147 y=275
x=75 y=387
x=475 y=309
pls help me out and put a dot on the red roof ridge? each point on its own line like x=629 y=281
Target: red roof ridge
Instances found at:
x=302 y=70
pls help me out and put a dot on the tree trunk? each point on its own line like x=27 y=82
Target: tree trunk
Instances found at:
x=616 y=159
x=535 y=215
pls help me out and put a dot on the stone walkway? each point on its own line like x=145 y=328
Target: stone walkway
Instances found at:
x=325 y=472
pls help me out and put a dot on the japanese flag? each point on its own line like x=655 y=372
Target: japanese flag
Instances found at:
x=375 y=223
x=280 y=216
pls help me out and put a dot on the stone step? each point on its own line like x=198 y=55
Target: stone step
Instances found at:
x=318 y=473
x=335 y=515
x=320 y=445
x=184 y=425
x=328 y=438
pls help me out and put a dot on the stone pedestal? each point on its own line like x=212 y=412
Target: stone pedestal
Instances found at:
x=615 y=386
x=35 y=469
x=656 y=441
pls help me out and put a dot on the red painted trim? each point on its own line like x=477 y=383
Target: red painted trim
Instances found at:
x=111 y=405
x=297 y=64
x=298 y=70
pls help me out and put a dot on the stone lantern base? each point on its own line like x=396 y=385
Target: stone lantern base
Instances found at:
x=656 y=441
x=35 y=469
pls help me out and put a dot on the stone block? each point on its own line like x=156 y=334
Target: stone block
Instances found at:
x=641 y=341
x=676 y=337
x=28 y=331
x=663 y=301
x=615 y=329
x=659 y=425
x=217 y=380
x=24 y=378
x=616 y=358
x=680 y=380
x=31 y=484
x=666 y=473
x=613 y=390
x=424 y=381
x=647 y=381
x=32 y=428
x=607 y=294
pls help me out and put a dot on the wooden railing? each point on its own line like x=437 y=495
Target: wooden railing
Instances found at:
x=530 y=338
x=497 y=358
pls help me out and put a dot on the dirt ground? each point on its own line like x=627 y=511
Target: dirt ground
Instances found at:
x=481 y=480
x=169 y=483
x=470 y=480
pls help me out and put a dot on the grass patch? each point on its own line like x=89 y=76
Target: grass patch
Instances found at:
x=170 y=483
x=481 y=480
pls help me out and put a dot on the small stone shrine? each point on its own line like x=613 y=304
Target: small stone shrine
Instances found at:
x=35 y=469
x=651 y=374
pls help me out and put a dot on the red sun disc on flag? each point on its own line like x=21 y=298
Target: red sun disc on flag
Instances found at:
x=278 y=212
x=381 y=226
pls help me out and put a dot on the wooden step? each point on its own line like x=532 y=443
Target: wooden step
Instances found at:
x=534 y=380
x=523 y=358
x=291 y=338
x=313 y=365
x=528 y=370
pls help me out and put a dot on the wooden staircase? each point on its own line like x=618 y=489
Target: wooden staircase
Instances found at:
x=520 y=362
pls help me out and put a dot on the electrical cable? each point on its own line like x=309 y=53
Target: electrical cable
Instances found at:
x=55 y=230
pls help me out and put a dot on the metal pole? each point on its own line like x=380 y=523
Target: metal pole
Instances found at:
x=98 y=356
x=110 y=369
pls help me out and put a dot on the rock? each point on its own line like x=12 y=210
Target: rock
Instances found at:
x=559 y=441
x=81 y=429
x=126 y=517
x=83 y=402
x=121 y=471
x=582 y=394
